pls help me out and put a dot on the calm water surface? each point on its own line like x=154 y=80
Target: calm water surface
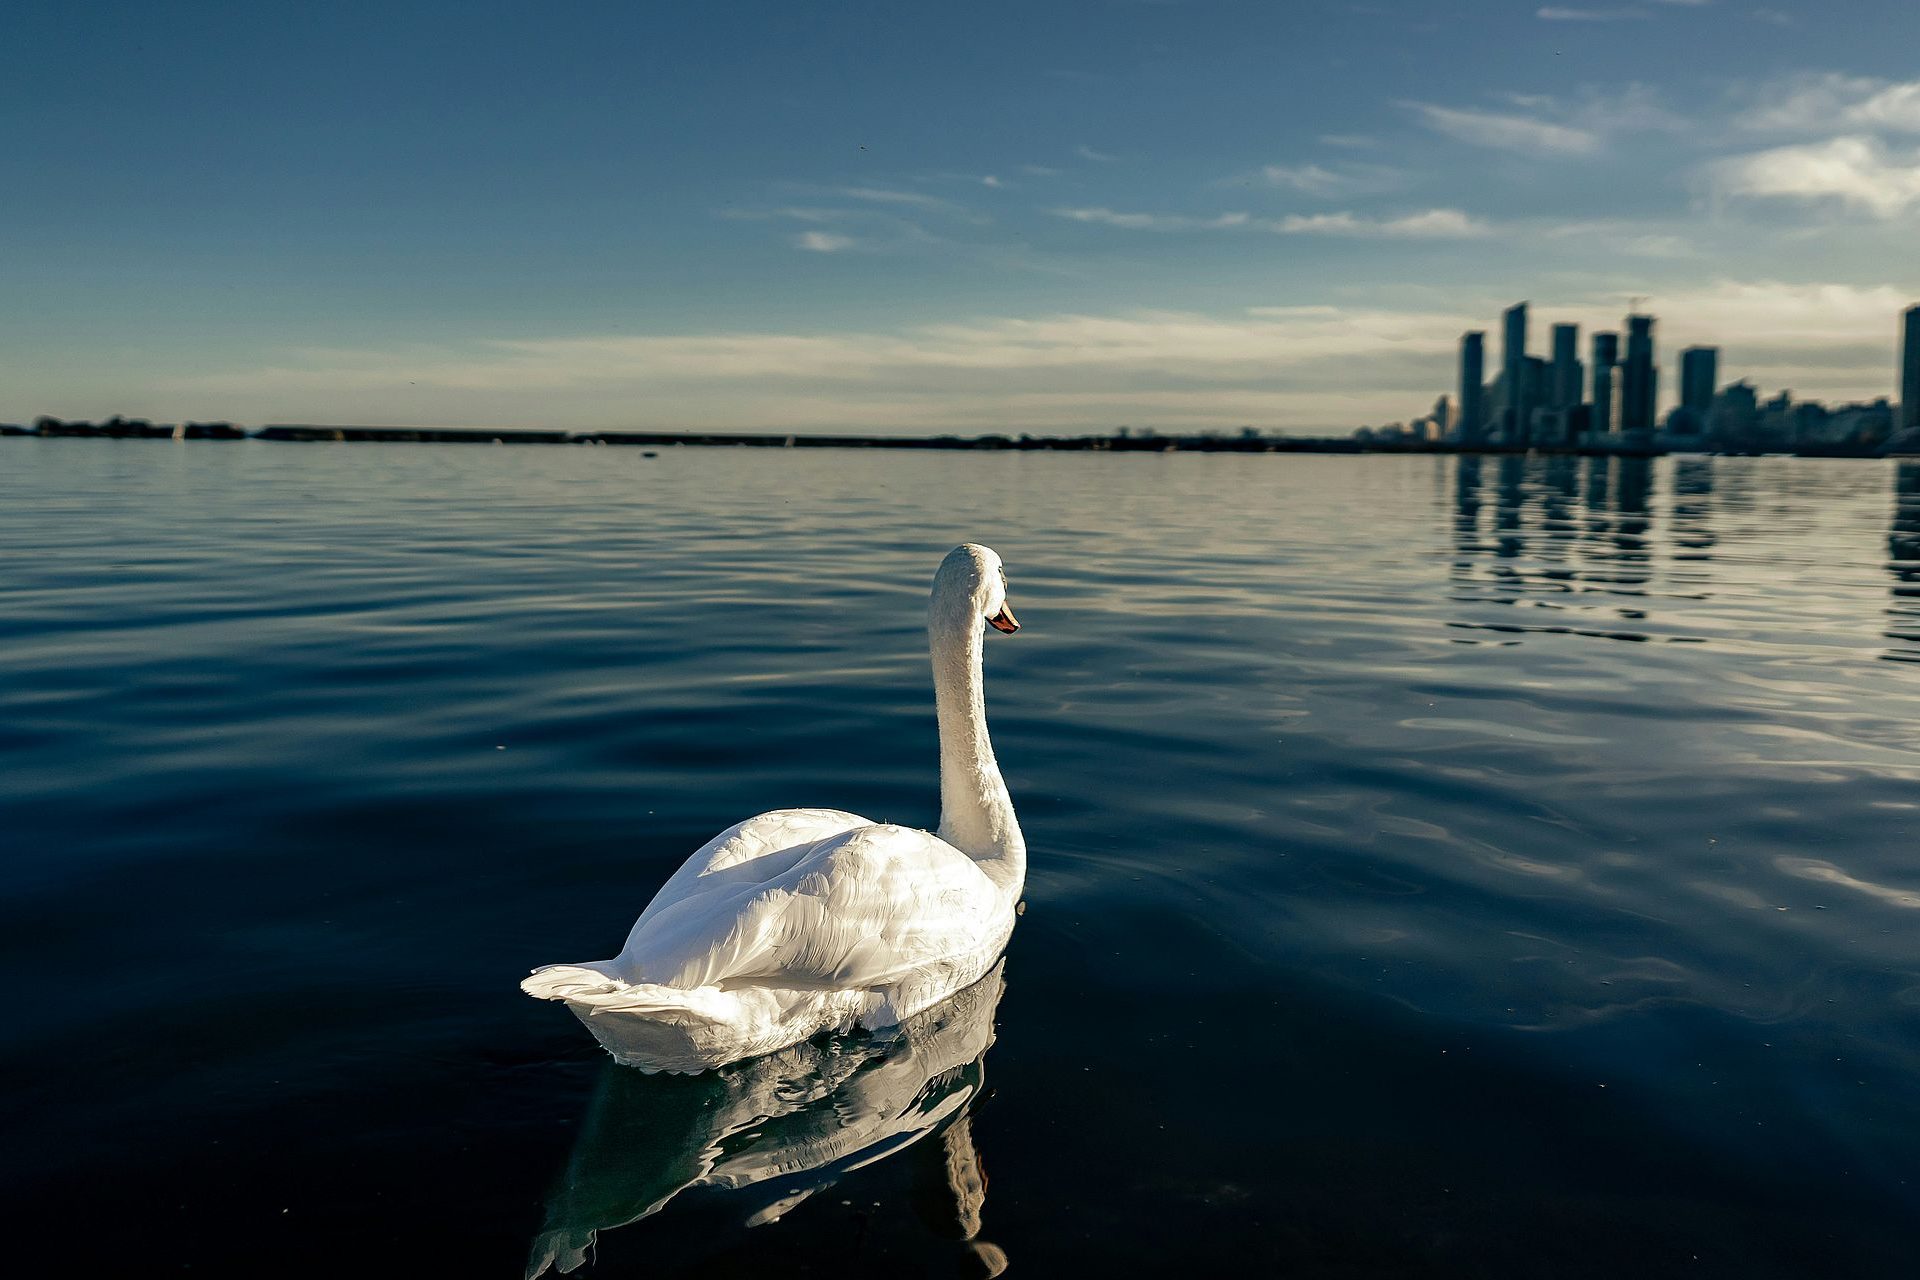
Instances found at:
x=1440 y=867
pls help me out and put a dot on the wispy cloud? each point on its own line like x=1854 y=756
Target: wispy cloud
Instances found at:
x=1551 y=13
x=1429 y=224
x=1618 y=236
x=1855 y=171
x=1321 y=180
x=1152 y=221
x=876 y=219
x=1358 y=141
x=1086 y=152
x=1625 y=13
x=883 y=226
x=1432 y=224
x=823 y=242
x=992 y=181
x=913 y=199
x=1542 y=124
x=1830 y=102
x=1506 y=132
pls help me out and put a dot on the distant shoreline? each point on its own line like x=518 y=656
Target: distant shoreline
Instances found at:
x=305 y=433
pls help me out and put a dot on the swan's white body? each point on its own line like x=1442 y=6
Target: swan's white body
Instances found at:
x=808 y=920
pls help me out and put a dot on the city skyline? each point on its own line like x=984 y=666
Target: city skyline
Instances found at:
x=1613 y=400
x=1193 y=215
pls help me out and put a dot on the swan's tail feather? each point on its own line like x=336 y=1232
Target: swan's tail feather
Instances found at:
x=687 y=1029
x=567 y=982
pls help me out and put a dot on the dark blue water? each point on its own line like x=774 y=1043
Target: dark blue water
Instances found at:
x=1440 y=867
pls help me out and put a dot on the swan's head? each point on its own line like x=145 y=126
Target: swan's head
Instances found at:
x=971 y=577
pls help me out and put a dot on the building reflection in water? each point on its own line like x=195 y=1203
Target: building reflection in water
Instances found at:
x=1466 y=518
x=1510 y=504
x=1903 y=562
x=1566 y=530
x=771 y=1132
x=1690 y=527
x=1599 y=472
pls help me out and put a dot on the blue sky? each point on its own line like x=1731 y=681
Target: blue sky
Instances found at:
x=1035 y=216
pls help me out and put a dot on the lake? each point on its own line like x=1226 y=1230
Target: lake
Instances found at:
x=1439 y=866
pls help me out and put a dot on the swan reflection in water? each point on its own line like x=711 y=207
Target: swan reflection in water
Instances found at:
x=778 y=1129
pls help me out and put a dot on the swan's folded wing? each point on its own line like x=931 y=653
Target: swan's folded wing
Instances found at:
x=751 y=853
x=858 y=910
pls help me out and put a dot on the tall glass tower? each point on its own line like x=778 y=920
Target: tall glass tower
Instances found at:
x=1699 y=371
x=1640 y=379
x=1566 y=366
x=1606 y=354
x=1910 y=369
x=1513 y=366
x=1473 y=376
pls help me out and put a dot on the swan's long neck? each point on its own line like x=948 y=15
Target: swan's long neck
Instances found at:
x=976 y=814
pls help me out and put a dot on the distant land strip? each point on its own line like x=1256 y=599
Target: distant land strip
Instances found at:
x=1120 y=442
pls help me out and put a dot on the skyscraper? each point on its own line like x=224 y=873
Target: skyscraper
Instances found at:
x=1640 y=379
x=1606 y=354
x=1566 y=366
x=1699 y=374
x=1513 y=362
x=1473 y=373
x=1910 y=370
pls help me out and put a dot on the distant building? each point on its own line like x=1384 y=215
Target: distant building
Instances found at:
x=1859 y=426
x=1734 y=417
x=1558 y=427
x=1640 y=381
x=1566 y=366
x=1785 y=423
x=1776 y=420
x=1699 y=371
x=1910 y=369
x=1473 y=374
x=1684 y=428
x=1606 y=354
x=1514 y=403
x=1515 y=410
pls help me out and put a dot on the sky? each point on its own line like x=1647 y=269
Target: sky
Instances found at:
x=1046 y=216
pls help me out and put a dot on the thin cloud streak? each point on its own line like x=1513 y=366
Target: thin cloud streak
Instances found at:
x=1433 y=224
x=1506 y=132
x=1430 y=224
x=1152 y=221
x=1312 y=179
x=1552 y=14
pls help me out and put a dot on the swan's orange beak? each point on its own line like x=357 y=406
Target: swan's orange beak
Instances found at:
x=1004 y=621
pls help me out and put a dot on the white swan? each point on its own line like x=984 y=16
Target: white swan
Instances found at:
x=807 y=920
